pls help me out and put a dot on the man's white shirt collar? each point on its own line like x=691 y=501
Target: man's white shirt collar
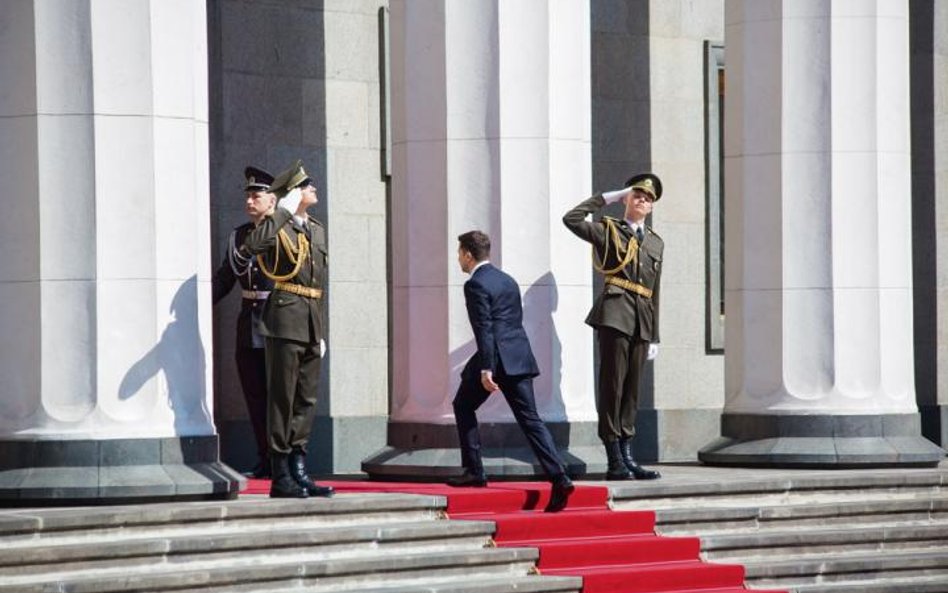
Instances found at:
x=479 y=264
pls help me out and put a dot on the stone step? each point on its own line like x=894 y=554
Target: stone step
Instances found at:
x=22 y=525
x=807 y=543
x=311 y=571
x=453 y=584
x=234 y=546
x=780 y=489
x=927 y=584
x=846 y=568
x=711 y=520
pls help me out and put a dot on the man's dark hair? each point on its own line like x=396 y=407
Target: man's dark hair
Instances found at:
x=476 y=243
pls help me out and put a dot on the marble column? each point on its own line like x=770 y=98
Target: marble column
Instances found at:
x=103 y=149
x=818 y=270
x=491 y=131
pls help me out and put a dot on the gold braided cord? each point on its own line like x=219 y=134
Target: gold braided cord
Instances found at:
x=631 y=249
x=297 y=256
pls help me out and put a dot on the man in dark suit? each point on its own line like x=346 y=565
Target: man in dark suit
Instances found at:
x=504 y=361
x=290 y=246
x=629 y=255
x=238 y=268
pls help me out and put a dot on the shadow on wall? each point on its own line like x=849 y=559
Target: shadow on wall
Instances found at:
x=540 y=301
x=179 y=354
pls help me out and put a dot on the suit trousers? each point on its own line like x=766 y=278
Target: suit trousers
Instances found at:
x=293 y=370
x=621 y=360
x=518 y=391
x=252 y=371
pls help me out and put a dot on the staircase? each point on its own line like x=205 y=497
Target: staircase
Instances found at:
x=812 y=532
x=385 y=543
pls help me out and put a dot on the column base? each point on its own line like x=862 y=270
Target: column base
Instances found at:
x=429 y=452
x=821 y=441
x=114 y=471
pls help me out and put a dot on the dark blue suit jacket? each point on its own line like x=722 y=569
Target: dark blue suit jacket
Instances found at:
x=493 y=306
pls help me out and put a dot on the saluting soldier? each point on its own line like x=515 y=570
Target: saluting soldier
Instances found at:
x=290 y=246
x=239 y=267
x=628 y=253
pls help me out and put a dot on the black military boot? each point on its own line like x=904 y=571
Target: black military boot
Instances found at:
x=298 y=471
x=638 y=472
x=617 y=469
x=283 y=485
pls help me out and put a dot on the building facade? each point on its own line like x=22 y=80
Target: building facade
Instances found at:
x=421 y=119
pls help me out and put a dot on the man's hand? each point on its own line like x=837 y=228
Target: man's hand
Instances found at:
x=487 y=381
x=612 y=197
x=652 y=351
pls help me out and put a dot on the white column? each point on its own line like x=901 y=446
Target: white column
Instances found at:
x=491 y=131
x=103 y=133
x=818 y=246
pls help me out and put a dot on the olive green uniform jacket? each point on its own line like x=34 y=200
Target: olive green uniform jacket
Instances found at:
x=630 y=313
x=286 y=315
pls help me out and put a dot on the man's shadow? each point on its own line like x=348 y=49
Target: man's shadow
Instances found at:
x=539 y=303
x=179 y=354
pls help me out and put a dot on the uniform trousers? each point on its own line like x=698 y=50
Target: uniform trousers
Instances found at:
x=518 y=391
x=252 y=371
x=621 y=360
x=293 y=370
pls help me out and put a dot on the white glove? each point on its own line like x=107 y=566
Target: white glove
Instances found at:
x=322 y=348
x=652 y=351
x=611 y=197
x=291 y=201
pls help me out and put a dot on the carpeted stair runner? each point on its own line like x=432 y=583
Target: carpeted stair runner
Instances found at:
x=613 y=551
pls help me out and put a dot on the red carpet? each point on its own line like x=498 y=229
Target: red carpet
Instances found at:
x=614 y=551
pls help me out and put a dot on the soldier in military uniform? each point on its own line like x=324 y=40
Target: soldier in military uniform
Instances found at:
x=239 y=267
x=290 y=246
x=625 y=315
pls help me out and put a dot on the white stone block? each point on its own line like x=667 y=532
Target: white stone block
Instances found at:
x=19 y=228
x=760 y=220
x=68 y=359
x=122 y=57
x=359 y=381
x=176 y=237
x=131 y=386
x=807 y=101
x=471 y=62
x=569 y=84
x=21 y=364
x=856 y=117
x=351 y=42
x=418 y=93
x=421 y=384
x=125 y=199
x=808 y=182
x=63 y=58
x=524 y=68
x=18 y=61
x=175 y=24
x=67 y=197
x=352 y=323
x=347 y=114
x=575 y=342
x=760 y=88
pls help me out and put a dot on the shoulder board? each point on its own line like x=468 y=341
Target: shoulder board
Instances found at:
x=652 y=232
x=314 y=221
x=244 y=227
x=613 y=219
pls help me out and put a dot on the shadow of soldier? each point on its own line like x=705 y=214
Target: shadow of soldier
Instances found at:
x=179 y=355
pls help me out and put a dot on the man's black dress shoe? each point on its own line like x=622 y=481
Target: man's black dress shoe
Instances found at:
x=468 y=479
x=559 y=494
